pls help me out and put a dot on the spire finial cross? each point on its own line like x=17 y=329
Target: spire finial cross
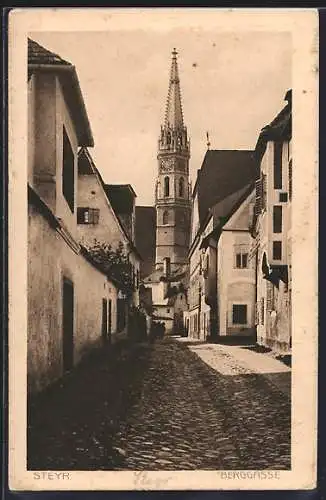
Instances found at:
x=174 y=53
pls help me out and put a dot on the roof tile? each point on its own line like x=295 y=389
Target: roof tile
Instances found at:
x=223 y=172
x=39 y=55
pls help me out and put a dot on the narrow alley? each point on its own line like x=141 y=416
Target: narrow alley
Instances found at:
x=141 y=406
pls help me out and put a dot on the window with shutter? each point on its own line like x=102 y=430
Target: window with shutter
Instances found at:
x=262 y=311
x=290 y=180
x=87 y=215
x=264 y=191
x=258 y=205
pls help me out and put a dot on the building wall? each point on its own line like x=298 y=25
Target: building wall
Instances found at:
x=273 y=308
x=201 y=285
x=273 y=199
x=108 y=230
x=48 y=114
x=194 y=294
x=50 y=259
x=52 y=247
x=92 y=195
x=234 y=286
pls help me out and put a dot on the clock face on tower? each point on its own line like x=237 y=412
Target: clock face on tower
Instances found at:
x=166 y=165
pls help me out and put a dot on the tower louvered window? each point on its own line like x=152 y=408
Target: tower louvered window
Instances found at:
x=166 y=186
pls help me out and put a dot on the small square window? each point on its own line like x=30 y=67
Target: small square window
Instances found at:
x=88 y=215
x=283 y=197
x=239 y=314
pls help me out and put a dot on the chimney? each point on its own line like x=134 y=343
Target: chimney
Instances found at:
x=166 y=267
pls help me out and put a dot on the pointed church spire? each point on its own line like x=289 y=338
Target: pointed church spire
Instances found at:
x=173 y=112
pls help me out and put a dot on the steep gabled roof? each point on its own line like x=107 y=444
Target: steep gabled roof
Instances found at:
x=39 y=55
x=223 y=172
x=86 y=166
x=223 y=211
x=224 y=208
x=280 y=127
x=43 y=60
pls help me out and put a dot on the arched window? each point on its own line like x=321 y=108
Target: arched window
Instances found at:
x=166 y=186
x=165 y=217
x=181 y=187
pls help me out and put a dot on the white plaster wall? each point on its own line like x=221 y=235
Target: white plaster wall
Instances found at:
x=49 y=260
x=108 y=230
x=63 y=118
x=234 y=286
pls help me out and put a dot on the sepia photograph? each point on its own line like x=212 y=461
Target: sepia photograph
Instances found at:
x=162 y=187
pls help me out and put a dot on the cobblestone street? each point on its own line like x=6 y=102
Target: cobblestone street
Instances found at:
x=159 y=407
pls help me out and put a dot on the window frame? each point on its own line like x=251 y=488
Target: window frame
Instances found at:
x=277 y=249
x=277 y=219
x=277 y=164
x=244 y=307
x=240 y=255
x=93 y=215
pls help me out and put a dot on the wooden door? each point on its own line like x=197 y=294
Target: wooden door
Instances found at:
x=68 y=325
x=110 y=319
x=104 y=319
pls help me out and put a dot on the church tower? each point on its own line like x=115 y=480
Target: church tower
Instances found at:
x=172 y=192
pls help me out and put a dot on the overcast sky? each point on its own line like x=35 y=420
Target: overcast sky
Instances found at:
x=232 y=85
